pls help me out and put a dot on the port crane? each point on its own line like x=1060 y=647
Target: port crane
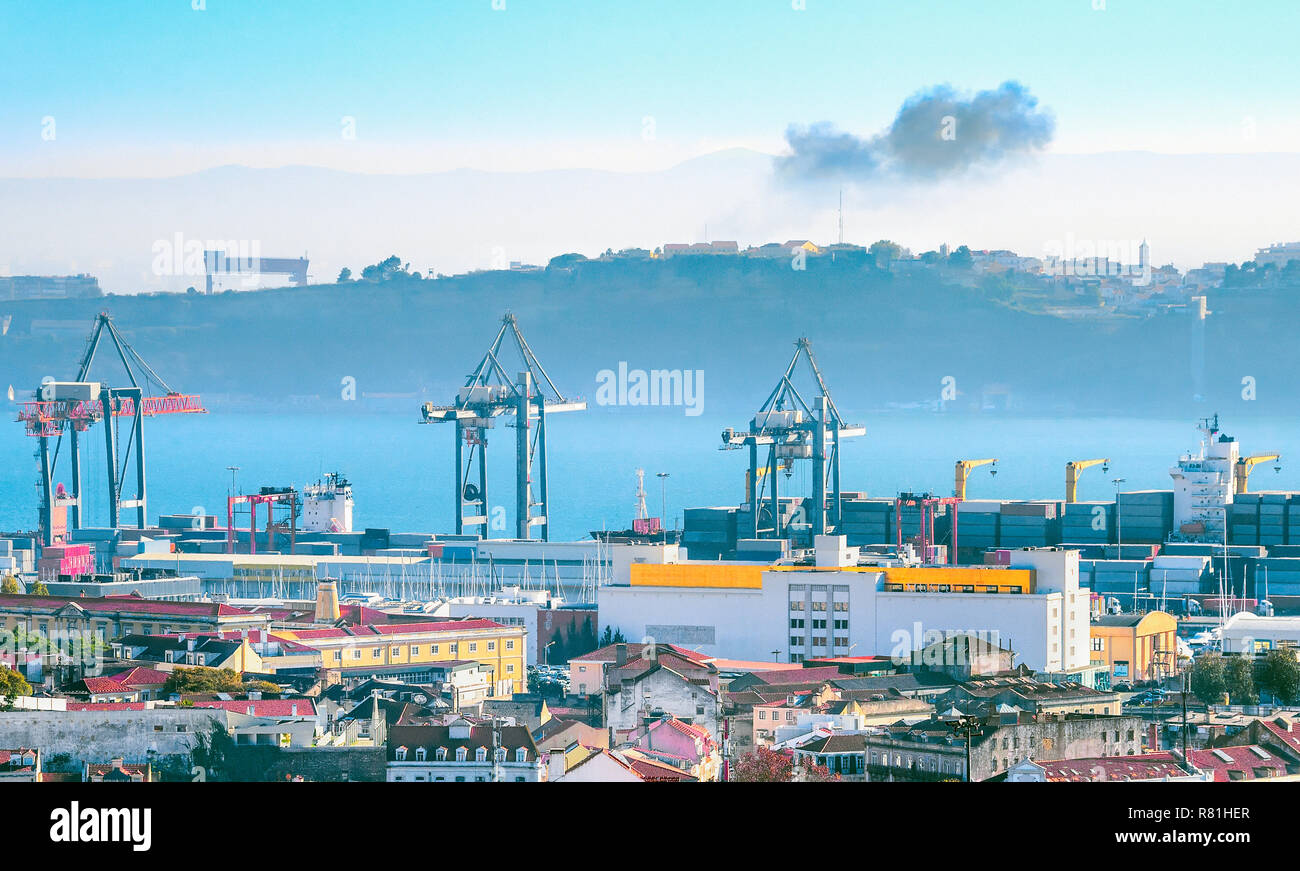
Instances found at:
x=963 y=470
x=790 y=428
x=489 y=393
x=72 y=407
x=929 y=508
x=1072 y=470
x=1244 y=464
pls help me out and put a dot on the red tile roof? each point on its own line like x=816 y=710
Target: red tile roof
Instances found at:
x=123 y=605
x=106 y=706
x=262 y=707
x=1238 y=763
x=1149 y=766
x=395 y=629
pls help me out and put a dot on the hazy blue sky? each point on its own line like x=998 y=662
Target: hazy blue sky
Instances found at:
x=149 y=87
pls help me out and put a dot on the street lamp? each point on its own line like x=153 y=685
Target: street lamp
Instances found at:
x=546 y=655
x=1119 y=530
x=234 y=471
x=663 y=502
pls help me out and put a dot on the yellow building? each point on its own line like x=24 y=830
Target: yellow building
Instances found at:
x=1136 y=646
x=389 y=646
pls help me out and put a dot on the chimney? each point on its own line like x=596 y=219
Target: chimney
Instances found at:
x=555 y=764
x=327 y=603
x=620 y=655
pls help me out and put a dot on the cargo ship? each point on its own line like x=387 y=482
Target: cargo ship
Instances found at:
x=645 y=529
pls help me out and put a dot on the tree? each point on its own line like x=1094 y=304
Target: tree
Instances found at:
x=883 y=251
x=763 y=766
x=203 y=680
x=768 y=766
x=385 y=270
x=1279 y=673
x=345 y=275
x=9 y=586
x=1241 y=682
x=612 y=637
x=1209 y=681
x=961 y=259
x=12 y=685
x=39 y=589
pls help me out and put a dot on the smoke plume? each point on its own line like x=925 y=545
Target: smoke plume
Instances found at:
x=937 y=133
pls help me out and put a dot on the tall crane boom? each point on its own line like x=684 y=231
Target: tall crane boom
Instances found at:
x=1241 y=478
x=1072 y=470
x=963 y=470
x=790 y=428
x=490 y=392
x=72 y=407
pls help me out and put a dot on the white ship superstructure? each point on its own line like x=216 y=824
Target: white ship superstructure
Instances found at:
x=1203 y=484
x=327 y=505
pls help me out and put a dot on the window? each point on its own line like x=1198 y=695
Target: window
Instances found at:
x=581 y=668
x=356 y=653
x=377 y=652
x=510 y=668
x=1099 y=644
x=473 y=647
x=461 y=753
x=440 y=754
x=453 y=648
x=396 y=651
x=796 y=606
x=762 y=714
x=480 y=754
x=796 y=624
x=338 y=656
x=510 y=645
x=500 y=754
x=415 y=650
x=796 y=642
x=401 y=754
x=420 y=754
x=841 y=606
x=492 y=645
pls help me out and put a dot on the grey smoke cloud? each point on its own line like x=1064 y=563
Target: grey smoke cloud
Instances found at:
x=937 y=132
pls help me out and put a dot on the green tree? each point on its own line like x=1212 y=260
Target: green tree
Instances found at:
x=203 y=680
x=883 y=251
x=345 y=275
x=960 y=259
x=612 y=637
x=385 y=270
x=12 y=685
x=1240 y=680
x=9 y=586
x=1279 y=673
x=39 y=589
x=1209 y=680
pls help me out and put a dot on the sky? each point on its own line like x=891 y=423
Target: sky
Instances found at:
x=150 y=88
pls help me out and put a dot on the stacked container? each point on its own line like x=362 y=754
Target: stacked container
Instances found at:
x=1145 y=515
x=1088 y=522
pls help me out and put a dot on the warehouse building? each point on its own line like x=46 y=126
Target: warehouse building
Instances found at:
x=1033 y=606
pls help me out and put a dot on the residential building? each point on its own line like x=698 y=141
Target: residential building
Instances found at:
x=118 y=771
x=612 y=766
x=671 y=741
x=634 y=695
x=839 y=753
x=464 y=752
x=1019 y=690
x=112 y=617
x=587 y=672
x=1222 y=765
x=22 y=765
x=936 y=749
x=1136 y=646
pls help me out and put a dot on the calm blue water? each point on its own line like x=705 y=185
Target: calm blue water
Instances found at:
x=400 y=470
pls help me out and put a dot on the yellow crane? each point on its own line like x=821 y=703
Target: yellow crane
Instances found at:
x=1072 y=470
x=963 y=470
x=1245 y=464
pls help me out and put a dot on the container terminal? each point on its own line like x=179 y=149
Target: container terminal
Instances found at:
x=1205 y=549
